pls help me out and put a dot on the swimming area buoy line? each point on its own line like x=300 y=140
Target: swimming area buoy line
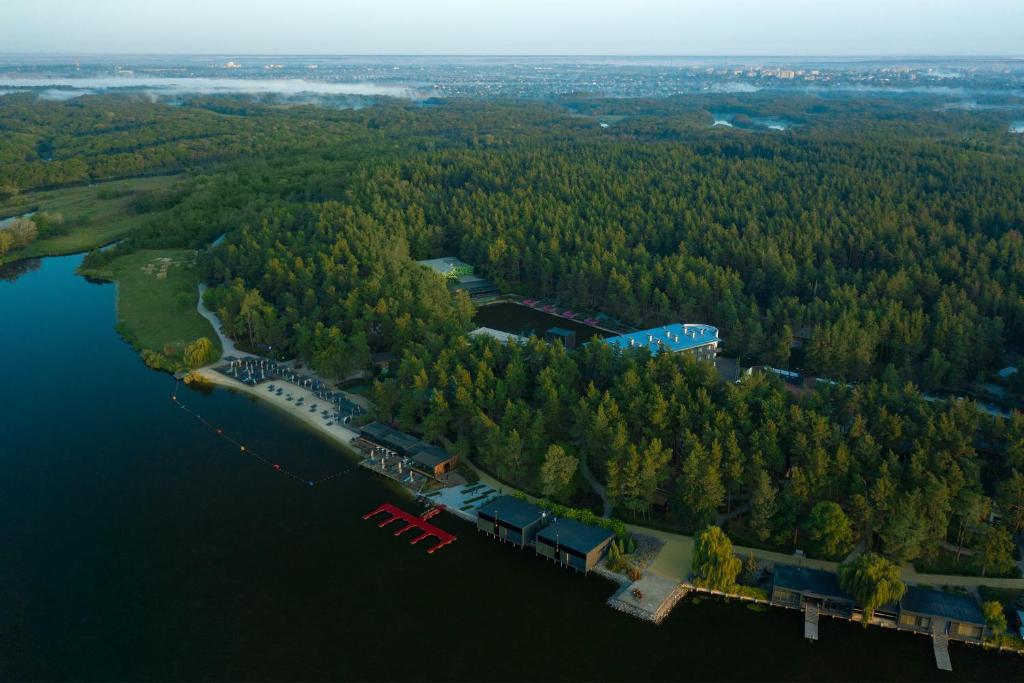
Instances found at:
x=242 y=448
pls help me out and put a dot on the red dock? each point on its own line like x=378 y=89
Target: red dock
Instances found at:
x=414 y=522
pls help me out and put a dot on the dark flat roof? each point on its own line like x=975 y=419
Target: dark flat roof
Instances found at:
x=512 y=510
x=805 y=580
x=575 y=535
x=392 y=438
x=942 y=604
x=430 y=456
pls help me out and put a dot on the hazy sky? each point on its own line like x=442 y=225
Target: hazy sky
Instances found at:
x=663 y=27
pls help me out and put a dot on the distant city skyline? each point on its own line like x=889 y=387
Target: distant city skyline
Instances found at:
x=793 y=28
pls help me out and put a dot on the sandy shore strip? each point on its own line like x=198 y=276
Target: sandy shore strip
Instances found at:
x=336 y=431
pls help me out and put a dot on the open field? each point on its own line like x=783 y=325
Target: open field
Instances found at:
x=156 y=299
x=95 y=215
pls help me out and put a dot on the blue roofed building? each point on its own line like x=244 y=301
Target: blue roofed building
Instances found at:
x=953 y=615
x=698 y=339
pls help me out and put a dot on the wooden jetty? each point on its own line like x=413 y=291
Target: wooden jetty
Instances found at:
x=426 y=529
x=940 y=645
x=811 y=621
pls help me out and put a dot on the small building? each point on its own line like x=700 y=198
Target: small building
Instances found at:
x=567 y=337
x=448 y=266
x=574 y=544
x=700 y=340
x=941 y=613
x=433 y=461
x=459 y=276
x=425 y=458
x=476 y=287
x=511 y=519
x=802 y=587
x=503 y=337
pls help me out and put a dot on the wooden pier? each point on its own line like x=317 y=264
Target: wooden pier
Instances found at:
x=413 y=522
x=811 y=622
x=940 y=645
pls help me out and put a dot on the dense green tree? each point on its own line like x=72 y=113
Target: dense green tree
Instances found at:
x=829 y=531
x=1010 y=498
x=557 y=472
x=995 y=551
x=995 y=617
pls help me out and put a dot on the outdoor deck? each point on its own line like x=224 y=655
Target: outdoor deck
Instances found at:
x=811 y=622
x=940 y=645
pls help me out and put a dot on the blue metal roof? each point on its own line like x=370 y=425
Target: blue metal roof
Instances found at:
x=807 y=580
x=931 y=602
x=674 y=337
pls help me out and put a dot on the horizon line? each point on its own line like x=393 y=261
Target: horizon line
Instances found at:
x=907 y=55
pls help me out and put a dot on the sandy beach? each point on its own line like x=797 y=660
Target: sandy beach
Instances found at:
x=336 y=431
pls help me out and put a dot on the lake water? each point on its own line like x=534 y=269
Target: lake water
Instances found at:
x=137 y=544
x=7 y=222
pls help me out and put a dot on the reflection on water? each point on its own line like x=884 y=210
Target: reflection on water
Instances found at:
x=12 y=271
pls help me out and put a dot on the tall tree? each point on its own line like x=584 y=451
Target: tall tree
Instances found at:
x=829 y=530
x=714 y=561
x=995 y=551
x=557 y=472
x=873 y=581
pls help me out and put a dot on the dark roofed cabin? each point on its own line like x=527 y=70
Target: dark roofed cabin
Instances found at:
x=511 y=519
x=389 y=438
x=798 y=586
x=433 y=460
x=574 y=544
x=937 y=612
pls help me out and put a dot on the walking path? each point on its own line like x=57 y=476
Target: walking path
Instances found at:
x=227 y=346
x=596 y=485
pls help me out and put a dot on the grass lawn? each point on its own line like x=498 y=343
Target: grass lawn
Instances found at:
x=95 y=214
x=156 y=299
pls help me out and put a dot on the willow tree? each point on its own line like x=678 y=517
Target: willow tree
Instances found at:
x=199 y=353
x=714 y=561
x=873 y=581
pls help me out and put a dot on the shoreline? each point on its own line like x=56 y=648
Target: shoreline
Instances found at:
x=338 y=433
